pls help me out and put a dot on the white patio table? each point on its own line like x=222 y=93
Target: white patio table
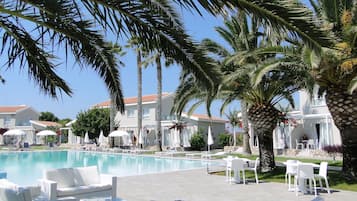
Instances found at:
x=301 y=184
x=236 y=173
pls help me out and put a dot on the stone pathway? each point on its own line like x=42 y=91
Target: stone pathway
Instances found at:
x=197 y=185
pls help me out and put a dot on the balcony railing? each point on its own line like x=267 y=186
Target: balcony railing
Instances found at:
x=318 y=102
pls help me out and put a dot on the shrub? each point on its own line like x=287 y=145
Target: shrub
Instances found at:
x=197 y=142
x=333 y=150
x=223 y=139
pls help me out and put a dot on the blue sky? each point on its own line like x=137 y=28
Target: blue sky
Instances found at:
x=89 y=89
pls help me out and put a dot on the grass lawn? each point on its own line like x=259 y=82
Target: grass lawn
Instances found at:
x=337 y=163
x=335 y=178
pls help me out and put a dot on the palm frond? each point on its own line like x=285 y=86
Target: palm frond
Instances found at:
x=157 y=27
x=28 y=52
x=353 y=85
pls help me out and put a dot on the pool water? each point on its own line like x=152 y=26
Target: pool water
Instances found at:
x=25 y=168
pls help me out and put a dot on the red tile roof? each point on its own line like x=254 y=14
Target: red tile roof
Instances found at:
x=133 y=100
x=206 y=117
x=11 y=109
x=47 y=123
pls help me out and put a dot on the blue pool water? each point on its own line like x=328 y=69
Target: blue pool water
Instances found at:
x=25 y=168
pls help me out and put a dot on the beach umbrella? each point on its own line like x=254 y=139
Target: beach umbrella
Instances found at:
x=118 y=133
x=209 y=138
x=86 y=138
x=15 y=132
x=185 y=138
x=209 y=143
x=101 y=139
x=176 y=138
x=46 y=133
x=141 y=140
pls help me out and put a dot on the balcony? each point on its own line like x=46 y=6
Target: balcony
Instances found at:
x=317 y=102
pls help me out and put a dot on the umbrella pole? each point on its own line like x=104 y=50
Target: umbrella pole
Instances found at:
x=208 y=152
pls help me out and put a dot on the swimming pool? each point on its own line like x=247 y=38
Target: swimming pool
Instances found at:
x=25 y=168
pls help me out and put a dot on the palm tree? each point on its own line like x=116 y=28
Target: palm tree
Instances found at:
x=113 y=110
x=234 y=120
x=70 y=24
x=240 y=38
x=327 y=27
x=159 y=100
x=240 y=70
x=140 y=50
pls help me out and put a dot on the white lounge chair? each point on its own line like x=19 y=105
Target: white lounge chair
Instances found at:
x=12 y=192
x=208 y=155
x=77 y=182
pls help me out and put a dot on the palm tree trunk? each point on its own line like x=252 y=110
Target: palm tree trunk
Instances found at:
x=113 y=112
x=266 y=152
x=234 y=136
x=139 y=103
x=264 y=119
x=159 y=101
x=246 y=144
x=343 y=108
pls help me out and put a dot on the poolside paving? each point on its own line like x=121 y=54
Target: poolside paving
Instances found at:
x=197 y=185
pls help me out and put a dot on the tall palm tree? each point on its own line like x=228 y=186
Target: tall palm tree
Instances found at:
x=140 y=50
x=69 y=24
x=140 y=92
x=159 y=100
x=155 y=59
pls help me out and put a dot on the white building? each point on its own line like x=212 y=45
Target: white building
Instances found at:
x=190 y=124
x=24 y=118
x=313 y=120
x=17 y=117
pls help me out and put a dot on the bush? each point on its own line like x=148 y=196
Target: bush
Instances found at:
x=333 y=150
x=223 y=139
x=197 y=142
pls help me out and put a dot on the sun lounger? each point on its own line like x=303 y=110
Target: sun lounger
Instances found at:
x=208 y=155
x=80 y=181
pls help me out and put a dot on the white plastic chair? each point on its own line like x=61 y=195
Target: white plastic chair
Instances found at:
x=291 y=170
x=229 y=168
x=304 y=172
x=255 y=169
x=299 y=144
x=237 y=167
x=323 y=175
x=311 y=144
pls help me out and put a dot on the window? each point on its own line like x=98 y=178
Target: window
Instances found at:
x=7 y=121
x=131 y=113
x=146 y=112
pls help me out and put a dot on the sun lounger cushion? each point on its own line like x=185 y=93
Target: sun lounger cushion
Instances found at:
x=84 y=176
x=63 y=177
x=4 y=183
x=83 y=189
